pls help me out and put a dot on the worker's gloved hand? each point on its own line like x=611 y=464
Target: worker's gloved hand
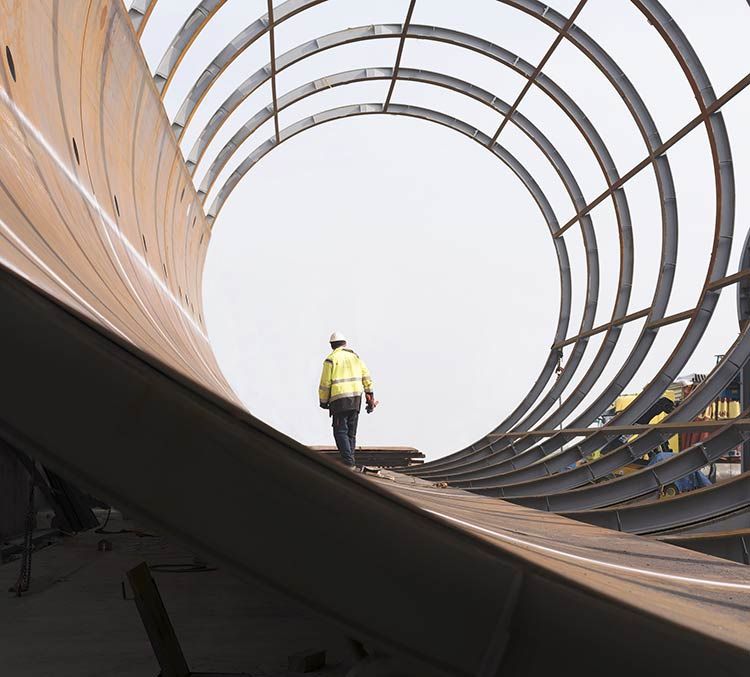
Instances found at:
x=371 y=402
x=324 y=405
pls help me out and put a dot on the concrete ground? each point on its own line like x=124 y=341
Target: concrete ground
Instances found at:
x=74 y=620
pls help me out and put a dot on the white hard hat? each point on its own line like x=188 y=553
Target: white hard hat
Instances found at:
x=337 y=336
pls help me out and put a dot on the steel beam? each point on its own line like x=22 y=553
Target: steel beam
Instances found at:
x=542 y=63
x=730 y=545
x=139 y=13
x=272 y=48
x=696 y=508
x=690 y=68
x=182 y=41
x=617 y=430
x=399 y=53
x=661 y=292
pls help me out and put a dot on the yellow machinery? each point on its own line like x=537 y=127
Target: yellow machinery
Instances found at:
x=623 y=402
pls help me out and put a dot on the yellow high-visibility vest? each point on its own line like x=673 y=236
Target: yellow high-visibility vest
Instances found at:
x=343 y=378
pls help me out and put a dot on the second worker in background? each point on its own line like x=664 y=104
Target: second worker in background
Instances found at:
x=344 y=377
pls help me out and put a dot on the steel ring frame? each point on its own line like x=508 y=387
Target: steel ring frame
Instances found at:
x=720 y=152
x=139 y=13
x=634 y=103
x=185 y=37
x=432 y=116
x=393 y=31
x=592 y=139
x=363 y=75
x=243 y=40
x=695 y=74
x=699 y=83
x=694 y=509
x=717 y=267
x=721 y=165
x=717 y=447
x=346 y=111
x=454 y=38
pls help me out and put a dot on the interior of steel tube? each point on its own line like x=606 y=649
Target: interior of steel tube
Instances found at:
x=529 y=214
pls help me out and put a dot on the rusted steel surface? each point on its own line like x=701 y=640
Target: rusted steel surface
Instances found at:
x=214 y=471
x=729 y=545
x=694 y=74
x=378 y=457
x=639 y=570
x=96 y=206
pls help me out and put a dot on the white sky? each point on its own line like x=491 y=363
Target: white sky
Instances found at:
x=420 y=245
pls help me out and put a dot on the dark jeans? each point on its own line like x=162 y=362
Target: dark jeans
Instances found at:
x=345 y=434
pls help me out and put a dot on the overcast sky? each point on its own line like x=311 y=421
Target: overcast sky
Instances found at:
x=420 y=245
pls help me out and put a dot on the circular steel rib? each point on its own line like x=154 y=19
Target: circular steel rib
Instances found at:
x=721 y=157
x=182 y=41
x=696 y=507
x=139 y=13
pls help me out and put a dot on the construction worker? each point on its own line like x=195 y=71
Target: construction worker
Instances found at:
x=341 y=383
